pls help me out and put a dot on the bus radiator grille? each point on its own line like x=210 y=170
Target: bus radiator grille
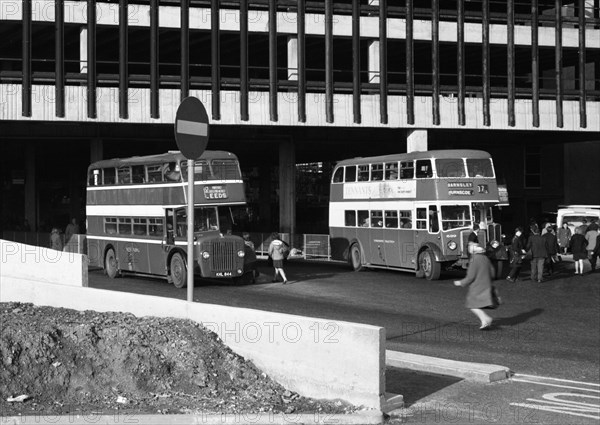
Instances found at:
x=223 y=256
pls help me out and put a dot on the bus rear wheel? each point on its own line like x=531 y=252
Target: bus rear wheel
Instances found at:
x=355 y=257
x=178 y=271
x=431 y=269
x=111 y=267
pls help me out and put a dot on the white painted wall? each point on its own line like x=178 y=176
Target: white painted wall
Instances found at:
x=31 y=263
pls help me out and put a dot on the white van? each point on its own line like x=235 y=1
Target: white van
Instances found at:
x=575 y=214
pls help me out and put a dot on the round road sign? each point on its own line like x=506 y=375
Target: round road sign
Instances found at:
x=191 y=128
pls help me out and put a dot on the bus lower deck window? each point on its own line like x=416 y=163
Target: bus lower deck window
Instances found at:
x=350 y=218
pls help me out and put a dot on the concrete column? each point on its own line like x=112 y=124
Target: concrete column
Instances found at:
x=373 y=54
x=374 y=62
x=83 y=56
x=96 y=150
x=30 y=186
x=287 y=187
x=416 y=140
x=581 y=173
x=292 y=58
x=264 y=198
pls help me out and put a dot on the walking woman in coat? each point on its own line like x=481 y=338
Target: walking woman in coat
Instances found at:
x=564 y=237
x=578 y=247
x=479 y=281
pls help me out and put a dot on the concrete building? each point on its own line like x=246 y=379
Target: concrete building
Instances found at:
x=291 y=82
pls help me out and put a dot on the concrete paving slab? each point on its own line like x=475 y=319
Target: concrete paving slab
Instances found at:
x=479 y=372
x=368 y=417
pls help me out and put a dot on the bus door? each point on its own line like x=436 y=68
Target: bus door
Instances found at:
x=163 y=228
x=428 y=226
x=377 y=239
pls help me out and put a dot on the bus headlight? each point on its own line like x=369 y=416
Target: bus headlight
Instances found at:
x=241 y=254
x=205 y=255
x=452 y=245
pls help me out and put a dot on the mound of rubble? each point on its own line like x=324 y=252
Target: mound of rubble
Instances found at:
x=61 y=361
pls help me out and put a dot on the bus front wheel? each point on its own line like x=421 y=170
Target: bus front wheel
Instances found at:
x=178 y=271
x=430 y=268
x=110 y=264
x=355 y=257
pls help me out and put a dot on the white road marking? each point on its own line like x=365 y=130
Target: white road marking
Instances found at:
x=563 y=402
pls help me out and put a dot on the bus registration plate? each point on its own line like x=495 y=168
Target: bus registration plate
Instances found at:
x=223 y=274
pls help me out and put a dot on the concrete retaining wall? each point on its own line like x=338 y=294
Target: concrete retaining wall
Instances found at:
x=314 y=357
x=39 y=264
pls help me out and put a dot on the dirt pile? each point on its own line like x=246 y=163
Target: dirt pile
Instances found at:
x=68 y=361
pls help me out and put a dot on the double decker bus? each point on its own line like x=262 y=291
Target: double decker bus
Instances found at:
x=137 y=216
x=412 y=211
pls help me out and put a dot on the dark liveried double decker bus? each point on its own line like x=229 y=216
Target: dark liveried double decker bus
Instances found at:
x=137 y=216
x=412 y=211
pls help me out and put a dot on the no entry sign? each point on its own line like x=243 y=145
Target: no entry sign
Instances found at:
x=191 y=128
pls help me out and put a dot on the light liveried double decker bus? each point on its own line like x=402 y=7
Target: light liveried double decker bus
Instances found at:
x=137 y=216
x=412 y=211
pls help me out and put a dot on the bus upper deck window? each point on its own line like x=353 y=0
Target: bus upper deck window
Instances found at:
x=424 y=169
x=450 y=167
x=407 y=170
x=338 y=175
x=138 y=174
x=376 y=172
x=154 y=173
x=350 y=174
x=391 y=171
x=363 y=173
x=124 y=174
x=481 y=167
x=171 y=171
x=226 y=169
x=110 y=175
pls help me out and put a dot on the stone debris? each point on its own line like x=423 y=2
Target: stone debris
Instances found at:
x=85 y=361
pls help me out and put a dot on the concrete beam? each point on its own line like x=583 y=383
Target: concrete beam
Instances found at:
x=416 y=141
x=200 y=18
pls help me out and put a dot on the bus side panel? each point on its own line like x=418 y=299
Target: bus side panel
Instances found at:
x=403 y=252
x=340 y=242
x=377 y=239
x=95 y=252
x=157 y=259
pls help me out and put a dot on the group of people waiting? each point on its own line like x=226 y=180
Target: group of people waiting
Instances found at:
x=542 y=248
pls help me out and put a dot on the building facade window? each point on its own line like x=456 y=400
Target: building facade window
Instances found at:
x=533 y=167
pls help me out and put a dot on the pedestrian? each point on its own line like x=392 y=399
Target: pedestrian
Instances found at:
x=72 y=229
x=55 y=240
x=584 y=226
x=250 y=255
x=578 y=246
x=591 y=236
x=564 y=236
x=517 y=253
x=595 y=253
x=473 y=235
x=552 y=246
x=480 y=295
x=539 y=251
x=278 y=252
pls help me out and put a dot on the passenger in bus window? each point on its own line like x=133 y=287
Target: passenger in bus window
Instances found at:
x=406 y=223
x=171 y=171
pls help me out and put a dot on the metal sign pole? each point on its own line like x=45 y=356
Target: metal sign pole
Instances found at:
x=190 y=231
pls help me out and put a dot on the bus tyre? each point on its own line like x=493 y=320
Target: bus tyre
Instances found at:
x=110 y=264
x=178 y=271
x=427 y=264
x=355 y=257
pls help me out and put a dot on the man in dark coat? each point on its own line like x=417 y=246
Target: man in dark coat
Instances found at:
x=517 y=253
x=552 y=246
x=539 y=252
